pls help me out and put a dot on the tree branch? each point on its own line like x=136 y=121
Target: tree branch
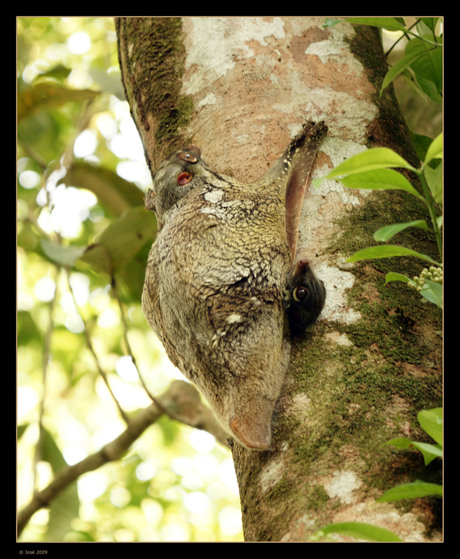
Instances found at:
x=184 y=402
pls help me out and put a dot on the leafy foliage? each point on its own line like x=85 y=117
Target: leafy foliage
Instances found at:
x=374 y=169
x=357 y=530
x=431 y=422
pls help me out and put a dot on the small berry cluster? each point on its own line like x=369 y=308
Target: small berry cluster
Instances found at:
x=433 y=273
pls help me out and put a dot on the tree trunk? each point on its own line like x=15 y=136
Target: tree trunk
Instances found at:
x=240 y=88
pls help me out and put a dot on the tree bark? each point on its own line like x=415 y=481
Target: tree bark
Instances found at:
x=240 y=88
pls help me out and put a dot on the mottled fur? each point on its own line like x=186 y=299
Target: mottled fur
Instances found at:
x=216 y=286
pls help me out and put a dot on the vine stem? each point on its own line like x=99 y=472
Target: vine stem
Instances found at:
x=429 y=203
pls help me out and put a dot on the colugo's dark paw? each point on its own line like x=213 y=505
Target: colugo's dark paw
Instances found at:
x=306 y=295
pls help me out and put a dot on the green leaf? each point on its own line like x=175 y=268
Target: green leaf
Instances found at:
x=429 y=451
x=392 y=23
x=428 y=63
x=434 y=151
x=380 y=179
x=430 y=22
x=361 y=531
x=398 y=68
x=434 y=180
x=425 y=60
x=368 y=160
x=121 y=241
x=411 y=491
x=48 y=95
x=409 y=78
x=429 y=88
x=400 y=442
x=63 y=255
x=432 y=291
x=421 y=144
x=431 y=422
x=387 y=251
x=394 y=276
x=58 y=72
x=388 y=231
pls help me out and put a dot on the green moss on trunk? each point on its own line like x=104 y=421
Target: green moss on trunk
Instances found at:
x=356 y=397
x=152 y=56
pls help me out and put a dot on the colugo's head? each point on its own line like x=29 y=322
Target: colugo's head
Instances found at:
x=174 y=178
x=305 y=297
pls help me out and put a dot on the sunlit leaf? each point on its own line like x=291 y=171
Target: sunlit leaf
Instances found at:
x=411 y=491
x=48 y=95
x=429 y=451
x=431 y=422
x=394 y=276
x=388 y=231
x=400 y=442
x=388 y=251
x=398 y=68
x=434 y=181
x=361 y=531
x=379 y=179
x=368 y=160
x=427 y=66
x=432 y=291
x=435 y=150
x=391 y=23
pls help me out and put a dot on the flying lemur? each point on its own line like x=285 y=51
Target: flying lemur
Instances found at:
x=225 y=286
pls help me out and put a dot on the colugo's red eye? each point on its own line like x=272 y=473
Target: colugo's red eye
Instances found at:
x=184 y=178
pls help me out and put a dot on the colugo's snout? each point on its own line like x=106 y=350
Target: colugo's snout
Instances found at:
x=255 y=435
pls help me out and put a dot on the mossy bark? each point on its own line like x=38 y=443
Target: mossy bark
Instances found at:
x=151 y=56
x=361 y=374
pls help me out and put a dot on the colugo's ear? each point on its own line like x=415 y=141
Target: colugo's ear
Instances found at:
x=291 y=173
x=298 y=160
x=301 y=154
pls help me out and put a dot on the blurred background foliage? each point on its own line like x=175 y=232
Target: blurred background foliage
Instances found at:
x=83 y=236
